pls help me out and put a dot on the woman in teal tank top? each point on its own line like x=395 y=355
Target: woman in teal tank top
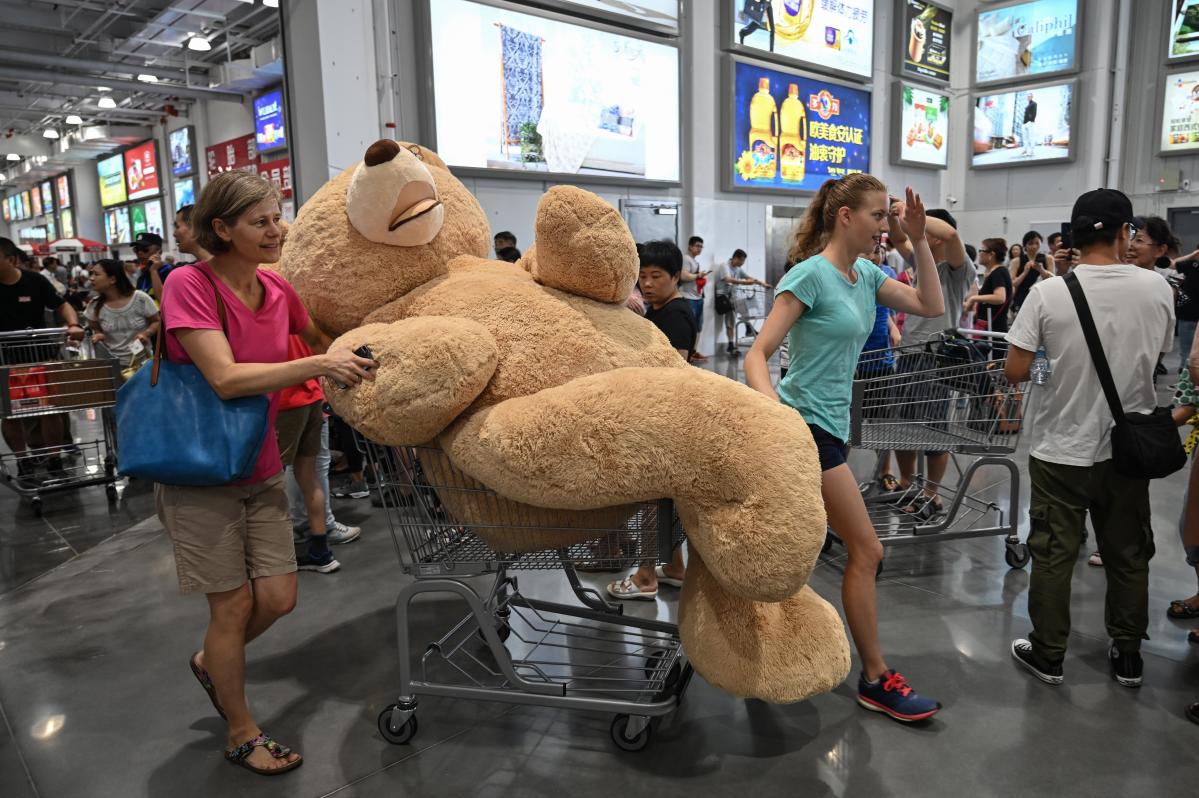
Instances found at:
x=825 y=306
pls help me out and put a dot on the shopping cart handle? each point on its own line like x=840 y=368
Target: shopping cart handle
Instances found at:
x=1002 y=336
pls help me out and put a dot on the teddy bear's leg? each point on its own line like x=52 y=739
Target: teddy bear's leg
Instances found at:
x=583 y=246
x=741 y=468
x=780 y=652
x=430 y=370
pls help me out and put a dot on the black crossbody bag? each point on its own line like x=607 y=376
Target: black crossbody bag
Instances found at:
x=1144 y=445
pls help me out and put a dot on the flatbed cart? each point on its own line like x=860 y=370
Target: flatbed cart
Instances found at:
x=40 y=375
x=510 y=647
x=946 y=395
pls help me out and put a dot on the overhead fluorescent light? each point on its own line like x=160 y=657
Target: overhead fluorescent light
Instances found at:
x=74 y=119
x=12 y=156
x=106 y=102
x=50 y=133
x=199 y=44
x=103 y=88
x=145 y=78
x=271 y=3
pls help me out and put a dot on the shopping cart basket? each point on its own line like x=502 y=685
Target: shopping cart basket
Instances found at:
x=510 y=647
x=40 y=376
x=751 y=306
x=946 y=395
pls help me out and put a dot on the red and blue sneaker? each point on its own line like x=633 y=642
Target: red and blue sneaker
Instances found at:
x=892 y=695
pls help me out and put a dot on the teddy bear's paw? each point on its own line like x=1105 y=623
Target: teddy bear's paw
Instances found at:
x=779 y=652
x=583 y=246
x=430 y=369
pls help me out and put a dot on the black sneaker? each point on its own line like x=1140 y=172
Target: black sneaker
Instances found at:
x=1127 y=667
x=322 y=565
x=1048 y=673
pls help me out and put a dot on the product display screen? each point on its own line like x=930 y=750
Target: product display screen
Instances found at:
x=153 y=210
x=924 y=128
x=47 y=197
x=141 y=171
x=35 y=198
x=64 y=191
x=268 y=121
x=1023 y=126
x=658 y=13
x=112 y=180
x=182 y=151
x=1180 y=113
x=7 y=210
x=794 y=132
x=185 y=193
x=1184 y=30
x=924 y=40
x=1027 y=40
x=822 y=34
x=510 y=95
x=67 y=218
x=116 y=226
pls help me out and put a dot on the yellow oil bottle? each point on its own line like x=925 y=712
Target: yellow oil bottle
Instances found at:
x=792 y=18
x=792 y=137
x=763 y=132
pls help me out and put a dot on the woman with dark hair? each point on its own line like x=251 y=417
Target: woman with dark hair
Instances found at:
x=123 y=320
x=993 y=298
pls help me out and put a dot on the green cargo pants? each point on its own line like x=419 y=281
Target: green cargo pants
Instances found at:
x=1061 y=497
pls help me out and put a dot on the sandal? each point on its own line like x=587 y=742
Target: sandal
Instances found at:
x=626 y=589
x=888 y=483
x=666 y=580
x=925 y=508
x=206 y=682
x=239 y=755
x=1180 y=610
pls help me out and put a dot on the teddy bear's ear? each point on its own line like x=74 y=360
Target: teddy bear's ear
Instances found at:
x=423 y=154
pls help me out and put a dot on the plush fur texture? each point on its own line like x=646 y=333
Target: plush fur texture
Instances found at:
x=536 y=383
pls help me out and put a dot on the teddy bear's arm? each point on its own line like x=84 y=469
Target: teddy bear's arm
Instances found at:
x=430 y=369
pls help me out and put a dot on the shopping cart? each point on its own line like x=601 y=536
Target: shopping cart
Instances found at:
x=946 y=395
x=41 y=376
x=510 y=647
x=751 y=306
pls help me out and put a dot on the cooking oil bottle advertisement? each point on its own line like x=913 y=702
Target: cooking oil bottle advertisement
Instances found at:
x=828 y=34
x=793 y=132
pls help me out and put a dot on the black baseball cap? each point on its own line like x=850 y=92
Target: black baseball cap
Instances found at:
x=1101 y=209
x=147 y=240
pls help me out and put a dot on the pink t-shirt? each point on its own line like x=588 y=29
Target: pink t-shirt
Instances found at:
x=188 y=303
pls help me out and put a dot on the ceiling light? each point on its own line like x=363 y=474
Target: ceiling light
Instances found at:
x=74 y=119
x=199 y=44
x=106 y=102
x=12 y=156
x=271 y=3
x=50 y=133
x=148 y=78
x=103 y=88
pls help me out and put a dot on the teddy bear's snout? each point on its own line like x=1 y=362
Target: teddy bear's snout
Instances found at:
x=393 y=198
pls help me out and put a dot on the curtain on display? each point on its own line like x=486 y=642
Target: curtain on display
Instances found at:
x=522 y=81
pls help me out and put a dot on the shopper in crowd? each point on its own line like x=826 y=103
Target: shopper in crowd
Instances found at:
x=827 y=305
x=956 y=277
x=184 y=238
x=233 y=542
x=1186 y=302
x=151 y=271
x=1188 y=524
x=25 y=298
x=34 y=265
x=123 y=320
x=53 y=266
x=1032 y=267
x=352 y=475
x=894 y=257
x=661 y=264
x=1014 y=253
x=991 y=302
x=508 y=254
x=876 y=363
x=730 y=275
x=503 y=240
x=691 y=287
x=1070 y=463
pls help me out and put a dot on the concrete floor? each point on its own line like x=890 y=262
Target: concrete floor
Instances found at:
x=96 y=698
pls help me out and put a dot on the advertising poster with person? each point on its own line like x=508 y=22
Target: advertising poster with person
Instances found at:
x=1180 y=114
x=1023 y=126
x=925 y=40
x=924 y=126
x=829 y=36
x=182 y=157
x=1028 y=39
x=64 y=191
x=67 y=218
x=790 y=131
x=141 y=171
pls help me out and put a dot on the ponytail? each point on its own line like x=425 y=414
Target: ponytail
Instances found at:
x=812 y=233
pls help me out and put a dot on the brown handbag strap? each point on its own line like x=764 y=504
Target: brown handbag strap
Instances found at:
x=162 y=333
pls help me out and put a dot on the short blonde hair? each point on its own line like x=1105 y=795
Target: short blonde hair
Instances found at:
x=226 y=197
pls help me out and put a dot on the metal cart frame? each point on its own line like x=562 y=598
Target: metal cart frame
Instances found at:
x=947 y=395
x=751 y=306
x=509 y=647
x=40 y=375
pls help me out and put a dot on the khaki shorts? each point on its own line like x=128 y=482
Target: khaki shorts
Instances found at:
x=299 y=432
x=227 y=534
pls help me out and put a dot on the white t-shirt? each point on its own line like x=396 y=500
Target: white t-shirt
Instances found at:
x=729 y=271
x=955 y=286
x=121 y=325
x=687 y=290
x=1134 y=313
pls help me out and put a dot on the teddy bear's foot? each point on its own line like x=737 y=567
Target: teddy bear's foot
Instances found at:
x=754 y=512
x=430 y=369
x=583 y=246
x=779 y=652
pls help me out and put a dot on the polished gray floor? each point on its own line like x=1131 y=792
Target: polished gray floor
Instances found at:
x=96 y=698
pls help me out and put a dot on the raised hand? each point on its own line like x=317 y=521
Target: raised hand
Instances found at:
x=911 y=215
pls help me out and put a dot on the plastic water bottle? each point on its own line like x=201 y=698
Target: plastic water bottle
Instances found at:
x=1041 y=370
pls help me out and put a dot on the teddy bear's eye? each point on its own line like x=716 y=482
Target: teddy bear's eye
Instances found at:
x=415 y=150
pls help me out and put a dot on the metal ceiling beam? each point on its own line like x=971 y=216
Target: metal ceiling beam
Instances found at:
x=90 y=82
x=48 y=59
x=94 y=111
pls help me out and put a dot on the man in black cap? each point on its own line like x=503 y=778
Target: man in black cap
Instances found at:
x=1070 y=462
x=147 y=247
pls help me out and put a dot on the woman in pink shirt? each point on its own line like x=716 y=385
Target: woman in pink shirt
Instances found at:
x=233 y=542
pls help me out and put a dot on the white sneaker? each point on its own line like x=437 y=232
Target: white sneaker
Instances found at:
x=340 y=533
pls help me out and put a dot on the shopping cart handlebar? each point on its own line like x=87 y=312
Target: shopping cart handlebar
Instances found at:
x=982 y=334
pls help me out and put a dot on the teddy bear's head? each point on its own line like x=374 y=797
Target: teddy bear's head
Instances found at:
x=377 y=231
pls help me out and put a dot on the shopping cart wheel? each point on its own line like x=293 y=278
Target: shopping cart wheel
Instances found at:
x=1017 y=555
x=619 y=731
x=111 y=492
x=36 y=501
x=400 y=736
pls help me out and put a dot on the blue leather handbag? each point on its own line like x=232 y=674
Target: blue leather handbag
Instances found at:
x=173 y=428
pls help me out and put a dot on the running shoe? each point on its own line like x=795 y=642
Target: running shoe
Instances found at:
x=1127 y=666
x=354 y=489
x=1048 y=672
x=321 y=565
x=892 y=695
x=340 y=533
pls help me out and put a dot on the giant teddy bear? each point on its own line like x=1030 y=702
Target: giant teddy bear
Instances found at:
x=539 y=384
